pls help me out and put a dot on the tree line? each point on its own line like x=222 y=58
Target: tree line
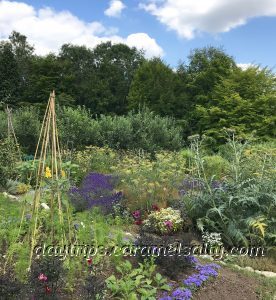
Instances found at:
x=205 y=94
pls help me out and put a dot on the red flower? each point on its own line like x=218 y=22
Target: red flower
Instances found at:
x=47 y=290
x=155 y=207
x=138 y=222
x=89 y=261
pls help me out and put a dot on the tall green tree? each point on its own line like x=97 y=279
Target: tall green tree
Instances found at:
x=9 y=75
x=23 y=53
x=153 y=87
x=99 y=78
x=44 y=77
x=245 y=101
x=206 y=68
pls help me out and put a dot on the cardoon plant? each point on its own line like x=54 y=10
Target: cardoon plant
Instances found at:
x=96 y=190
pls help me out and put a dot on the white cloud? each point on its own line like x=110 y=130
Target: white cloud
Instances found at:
x=190 y=17
x=48 y=29
x=143 y=41
x=115 y=8
x=246 y=66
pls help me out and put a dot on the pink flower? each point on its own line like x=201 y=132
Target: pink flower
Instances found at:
x=169 y=224
x=42 y=277
x=136 y=214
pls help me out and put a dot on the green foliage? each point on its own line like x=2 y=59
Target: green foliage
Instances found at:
x=243 y=207
x=215 y=165
x=27 y=127
x=242 y=101
x=76 y=127
x=153 y=87
x=204 y=94
x=8 y=158
x=140 y=283
x=142 y=130
x=9 y=74
x=16 y=188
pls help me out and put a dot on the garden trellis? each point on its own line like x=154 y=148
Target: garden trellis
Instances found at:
x=49 y=168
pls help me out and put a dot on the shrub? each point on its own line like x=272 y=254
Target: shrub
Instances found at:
x=17 y=188
x=76 y=127
x=27 y=127
x=8 y=158
x=215 y=165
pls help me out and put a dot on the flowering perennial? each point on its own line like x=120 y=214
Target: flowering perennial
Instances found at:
x=96 y=190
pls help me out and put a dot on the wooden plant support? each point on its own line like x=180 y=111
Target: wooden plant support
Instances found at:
x=48 y=149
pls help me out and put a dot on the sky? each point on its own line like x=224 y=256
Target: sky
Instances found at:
x=170 y=29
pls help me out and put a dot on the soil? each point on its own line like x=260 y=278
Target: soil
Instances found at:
x=229 y=285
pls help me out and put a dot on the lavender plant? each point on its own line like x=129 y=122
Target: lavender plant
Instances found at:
x=96 y=190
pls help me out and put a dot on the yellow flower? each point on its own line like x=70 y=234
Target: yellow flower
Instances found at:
x=63 y=175
x=247 y=152
x=48 y=173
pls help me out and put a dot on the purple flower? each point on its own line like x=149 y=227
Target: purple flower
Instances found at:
x=180 y=294
x=191 y=259
x=190 y=184
x=208 y=270
x=96 y=190
x=193 y=280
x=203 y=277
x=166 y=298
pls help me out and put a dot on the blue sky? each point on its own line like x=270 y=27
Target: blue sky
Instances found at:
x=246 y=29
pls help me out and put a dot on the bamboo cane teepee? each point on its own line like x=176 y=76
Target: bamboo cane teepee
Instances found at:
x=49 y=159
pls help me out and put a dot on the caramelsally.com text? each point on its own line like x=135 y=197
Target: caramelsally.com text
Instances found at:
x=175 y=249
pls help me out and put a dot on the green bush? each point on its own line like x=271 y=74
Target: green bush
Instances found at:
x=76 y=127
x=8 y=158
x=27 y=125
x=215 y=165
x=143 y=130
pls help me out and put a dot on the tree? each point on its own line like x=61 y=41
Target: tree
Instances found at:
x=23 y=53
x=115 y=66
x=45 y=76
x=245 y=102
x=153 y=87
x=9 y=74
x=206 y=68
x=99 y=78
